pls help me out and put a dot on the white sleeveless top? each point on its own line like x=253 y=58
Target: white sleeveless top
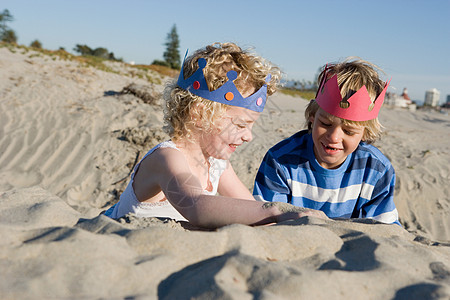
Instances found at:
x=129 y=203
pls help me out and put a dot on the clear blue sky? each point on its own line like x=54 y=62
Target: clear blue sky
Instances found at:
x=408 y=39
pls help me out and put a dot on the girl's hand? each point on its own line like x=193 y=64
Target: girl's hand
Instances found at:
x=291 y=212
x=307 y=212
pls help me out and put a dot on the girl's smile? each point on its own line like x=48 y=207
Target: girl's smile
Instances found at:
x=234 y=129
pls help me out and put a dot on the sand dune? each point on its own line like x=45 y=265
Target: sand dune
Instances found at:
x=68 y=140
x=57 y=127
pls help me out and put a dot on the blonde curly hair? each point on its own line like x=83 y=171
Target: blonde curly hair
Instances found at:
x=352 y=74
x=185 y=111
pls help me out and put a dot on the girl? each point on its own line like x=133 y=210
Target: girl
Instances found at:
x=210 y=111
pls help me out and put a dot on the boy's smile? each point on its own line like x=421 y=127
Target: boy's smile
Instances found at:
x=333 y=141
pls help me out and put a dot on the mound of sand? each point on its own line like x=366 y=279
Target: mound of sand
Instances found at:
x=48 y=251
x=70 y=135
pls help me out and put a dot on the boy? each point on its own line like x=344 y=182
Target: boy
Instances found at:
x=331 y=166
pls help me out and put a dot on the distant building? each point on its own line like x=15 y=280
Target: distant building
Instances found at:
x=405 y=95
x=447 y=104
x=398 y=101
x=432 y=97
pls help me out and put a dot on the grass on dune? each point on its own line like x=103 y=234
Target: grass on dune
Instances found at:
x=151 y=73
x=146 y=72
x=306 y=94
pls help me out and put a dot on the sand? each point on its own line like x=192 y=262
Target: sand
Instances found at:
x=69 y=136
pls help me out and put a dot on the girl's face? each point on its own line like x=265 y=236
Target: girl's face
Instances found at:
x=333 y=141
x=233 y=130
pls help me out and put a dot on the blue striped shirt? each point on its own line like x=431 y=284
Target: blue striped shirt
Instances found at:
x=362 y=187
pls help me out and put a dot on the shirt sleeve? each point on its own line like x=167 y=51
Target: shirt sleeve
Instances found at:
x=271 y=183
x=381 y=207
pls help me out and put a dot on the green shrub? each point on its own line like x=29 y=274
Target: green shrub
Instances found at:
x=36 y=44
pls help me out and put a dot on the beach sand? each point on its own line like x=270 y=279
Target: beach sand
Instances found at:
x=69 y=137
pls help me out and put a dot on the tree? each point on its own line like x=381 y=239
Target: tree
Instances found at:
x=98 y=52
x=5 y=17
x=83 y=49
x=101 y=52
x=172 y=54
x=9 y=36
x=6 y=34
x=36 y=44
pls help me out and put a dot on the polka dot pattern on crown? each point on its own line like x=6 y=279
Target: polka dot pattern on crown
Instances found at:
x=226 y=94
x=196 y=85
x=229 y=96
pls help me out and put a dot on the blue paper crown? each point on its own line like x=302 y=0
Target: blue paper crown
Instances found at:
x=227 y=93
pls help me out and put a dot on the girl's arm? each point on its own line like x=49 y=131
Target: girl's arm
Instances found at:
x=231 y=186
x=184 y=192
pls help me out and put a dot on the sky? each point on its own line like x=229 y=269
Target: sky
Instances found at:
x=408 y=39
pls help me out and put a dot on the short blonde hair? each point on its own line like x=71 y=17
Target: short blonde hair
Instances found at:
x=352 y=74
x=185 y=111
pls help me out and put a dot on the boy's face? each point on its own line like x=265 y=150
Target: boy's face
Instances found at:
x=333 y=141
x=235 y=128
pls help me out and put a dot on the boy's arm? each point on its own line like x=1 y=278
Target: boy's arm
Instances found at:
x=381 y=207
x=271 y=182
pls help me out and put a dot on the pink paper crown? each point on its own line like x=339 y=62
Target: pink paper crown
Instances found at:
x=227 y=93
x=360 y=107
